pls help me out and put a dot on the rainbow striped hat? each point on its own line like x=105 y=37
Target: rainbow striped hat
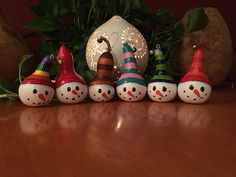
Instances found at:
x=161 y=69
x=41 y=74
x=131 y=73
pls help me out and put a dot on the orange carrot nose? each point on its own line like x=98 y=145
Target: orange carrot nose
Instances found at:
x=104 y=95
x=74 y=92
x=41 y=97
x=159 y=93
x=197 y=93
x=130 y=94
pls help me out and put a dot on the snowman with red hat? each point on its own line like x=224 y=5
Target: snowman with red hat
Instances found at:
x=38 y=89
x=70 y=86
x=195 y=87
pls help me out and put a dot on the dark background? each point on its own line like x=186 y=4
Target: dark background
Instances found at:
x=17 y=14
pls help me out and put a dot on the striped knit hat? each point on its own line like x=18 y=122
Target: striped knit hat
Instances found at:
x=41 y=74
x=131 y=73
x=104 y=66
x=196 y=71
x=161 y=69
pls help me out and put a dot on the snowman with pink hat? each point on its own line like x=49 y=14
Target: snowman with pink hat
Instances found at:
x=131 y=86
x=195 y=87
x=70 y=87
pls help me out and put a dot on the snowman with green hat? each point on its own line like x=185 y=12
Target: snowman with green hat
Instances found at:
x=130 y=86
x=162 y=87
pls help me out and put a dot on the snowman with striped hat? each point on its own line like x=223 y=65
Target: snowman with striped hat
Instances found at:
x=101 y=88
x=38 y=89
x=131 y=86
x=162 y=87
x=195 y=87
x=71 y=88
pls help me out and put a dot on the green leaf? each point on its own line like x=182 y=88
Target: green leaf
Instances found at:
x=55 y=70
x=197 y=20
x=164 y=16
x=46 y=48
x=179 y=28
x=88 y=75
x=7 y=90
x=5 y=85
x=42 y=25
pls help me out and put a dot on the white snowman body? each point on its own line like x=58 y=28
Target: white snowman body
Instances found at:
x=195 y=92
x=162 y=91
x=131 y=91
x=101 y=93
x=35 y=94
x=72 y=92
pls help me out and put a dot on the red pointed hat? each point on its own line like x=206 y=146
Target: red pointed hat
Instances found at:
x=67 y=71
x=196 y=71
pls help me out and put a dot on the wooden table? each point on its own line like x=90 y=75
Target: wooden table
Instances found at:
x=119 y=139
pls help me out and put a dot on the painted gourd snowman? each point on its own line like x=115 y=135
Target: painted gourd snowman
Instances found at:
x=38 y=89
x=162 y=87
x=131 y=86
x=195 y=87
x=101 y=89
x=70 y=86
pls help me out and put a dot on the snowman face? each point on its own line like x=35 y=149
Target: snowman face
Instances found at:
x=101 y=93
x=162 y=91
x=35 y=94
x=194 y=92
x=131 y=91
x=72 y=92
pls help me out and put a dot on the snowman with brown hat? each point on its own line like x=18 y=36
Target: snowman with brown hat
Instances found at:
x=101 y=89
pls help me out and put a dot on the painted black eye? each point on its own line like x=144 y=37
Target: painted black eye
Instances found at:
x=99 y=90
x=191 y=87
x=68 y=89
x=46 y=92
x=154 y=88
x=202 y=89
x=164 y=89
x=109 y=92
x=77 y=88
x=133 y=89
x=35 y=91
x=124 y=89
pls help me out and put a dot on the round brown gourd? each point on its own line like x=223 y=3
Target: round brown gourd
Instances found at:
x=218 y=47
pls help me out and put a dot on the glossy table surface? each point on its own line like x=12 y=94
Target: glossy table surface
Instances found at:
x=119 y=139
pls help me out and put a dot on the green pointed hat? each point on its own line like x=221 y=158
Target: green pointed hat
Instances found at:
x=161 y=74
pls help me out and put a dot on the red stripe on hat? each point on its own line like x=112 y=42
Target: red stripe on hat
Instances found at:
x=37 y=79
x=196 y=71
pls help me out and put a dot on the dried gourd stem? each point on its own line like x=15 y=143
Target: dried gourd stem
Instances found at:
x=101 y=39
